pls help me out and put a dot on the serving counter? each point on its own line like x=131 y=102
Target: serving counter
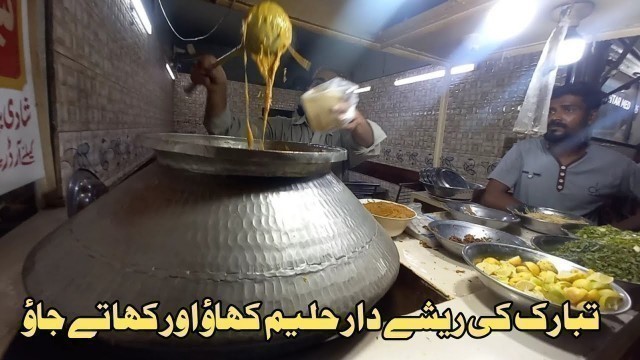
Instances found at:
x=466 y=294
x=458 y=284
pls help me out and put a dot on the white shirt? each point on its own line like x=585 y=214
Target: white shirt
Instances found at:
x=297 y=130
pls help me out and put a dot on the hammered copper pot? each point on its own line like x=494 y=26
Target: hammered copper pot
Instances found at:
x=286 y=233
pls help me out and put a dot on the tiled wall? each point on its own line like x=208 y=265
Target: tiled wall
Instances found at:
x=482 y=108
x=409 y=116
x=188 y=110
x=110 y=84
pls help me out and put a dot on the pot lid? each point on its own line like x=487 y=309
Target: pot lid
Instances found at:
x=222 y=155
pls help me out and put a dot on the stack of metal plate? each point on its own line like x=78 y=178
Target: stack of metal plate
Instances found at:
x=447 y=184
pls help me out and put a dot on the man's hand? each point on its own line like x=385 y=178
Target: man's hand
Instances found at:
x=359 y=127
x=203 y=73
x=215 y=81
x=359 y=120
x=496 y=195
x=631 y=223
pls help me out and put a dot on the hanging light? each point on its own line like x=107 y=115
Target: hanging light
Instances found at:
x=142 y=15
x=571 y=49
x=168 y=67
x=461 y=69
x=418 y=78
x=509 y=18
x=362 y=90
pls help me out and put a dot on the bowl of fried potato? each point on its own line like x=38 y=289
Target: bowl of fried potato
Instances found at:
x=527 y=276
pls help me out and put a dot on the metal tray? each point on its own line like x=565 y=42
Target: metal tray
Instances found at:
x=542 y=227
x=443 y=229
x=478 y=214
x=475 y=252
x=452 y=193
x=548 y=243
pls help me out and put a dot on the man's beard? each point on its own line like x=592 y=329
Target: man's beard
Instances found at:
x=567 y=139
x=554 y=138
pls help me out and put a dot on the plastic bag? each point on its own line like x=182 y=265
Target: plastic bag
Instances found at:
x=319 y=102
x=532 y=119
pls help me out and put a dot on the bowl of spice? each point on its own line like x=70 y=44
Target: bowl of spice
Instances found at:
x=393 y=217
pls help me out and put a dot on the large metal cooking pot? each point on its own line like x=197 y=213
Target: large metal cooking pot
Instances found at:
x=286 y=233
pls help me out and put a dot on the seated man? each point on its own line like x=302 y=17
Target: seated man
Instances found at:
x=562 y=170
x=361 y=137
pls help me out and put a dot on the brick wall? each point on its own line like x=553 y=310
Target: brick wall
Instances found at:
x=109 y=85
x=482 y=108
x=188 y=110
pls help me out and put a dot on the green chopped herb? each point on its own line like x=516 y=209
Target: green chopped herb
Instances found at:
x=605 y=249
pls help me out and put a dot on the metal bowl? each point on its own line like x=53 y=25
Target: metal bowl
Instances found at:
x=452 y=193
x=543 y=227
x=443 y=229
x=450 y=179
x=473 y=254
x=481 y=215
x=549 y=243
x=572 y=229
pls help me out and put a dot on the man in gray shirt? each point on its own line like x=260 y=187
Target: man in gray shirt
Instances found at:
x=362 y=138
x=562 y=170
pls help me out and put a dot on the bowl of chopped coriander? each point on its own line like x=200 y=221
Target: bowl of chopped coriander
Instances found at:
x=605 y=249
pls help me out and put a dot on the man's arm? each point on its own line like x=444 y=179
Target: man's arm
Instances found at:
x=497 y=196
x=631 y=223
x=504 y=177
x=631 y=187
x=216 y=117
x=215 y=81
x=218 y=120
x=359 y=133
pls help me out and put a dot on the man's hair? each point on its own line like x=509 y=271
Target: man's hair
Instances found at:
x=325 y=68
x=591 y=95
